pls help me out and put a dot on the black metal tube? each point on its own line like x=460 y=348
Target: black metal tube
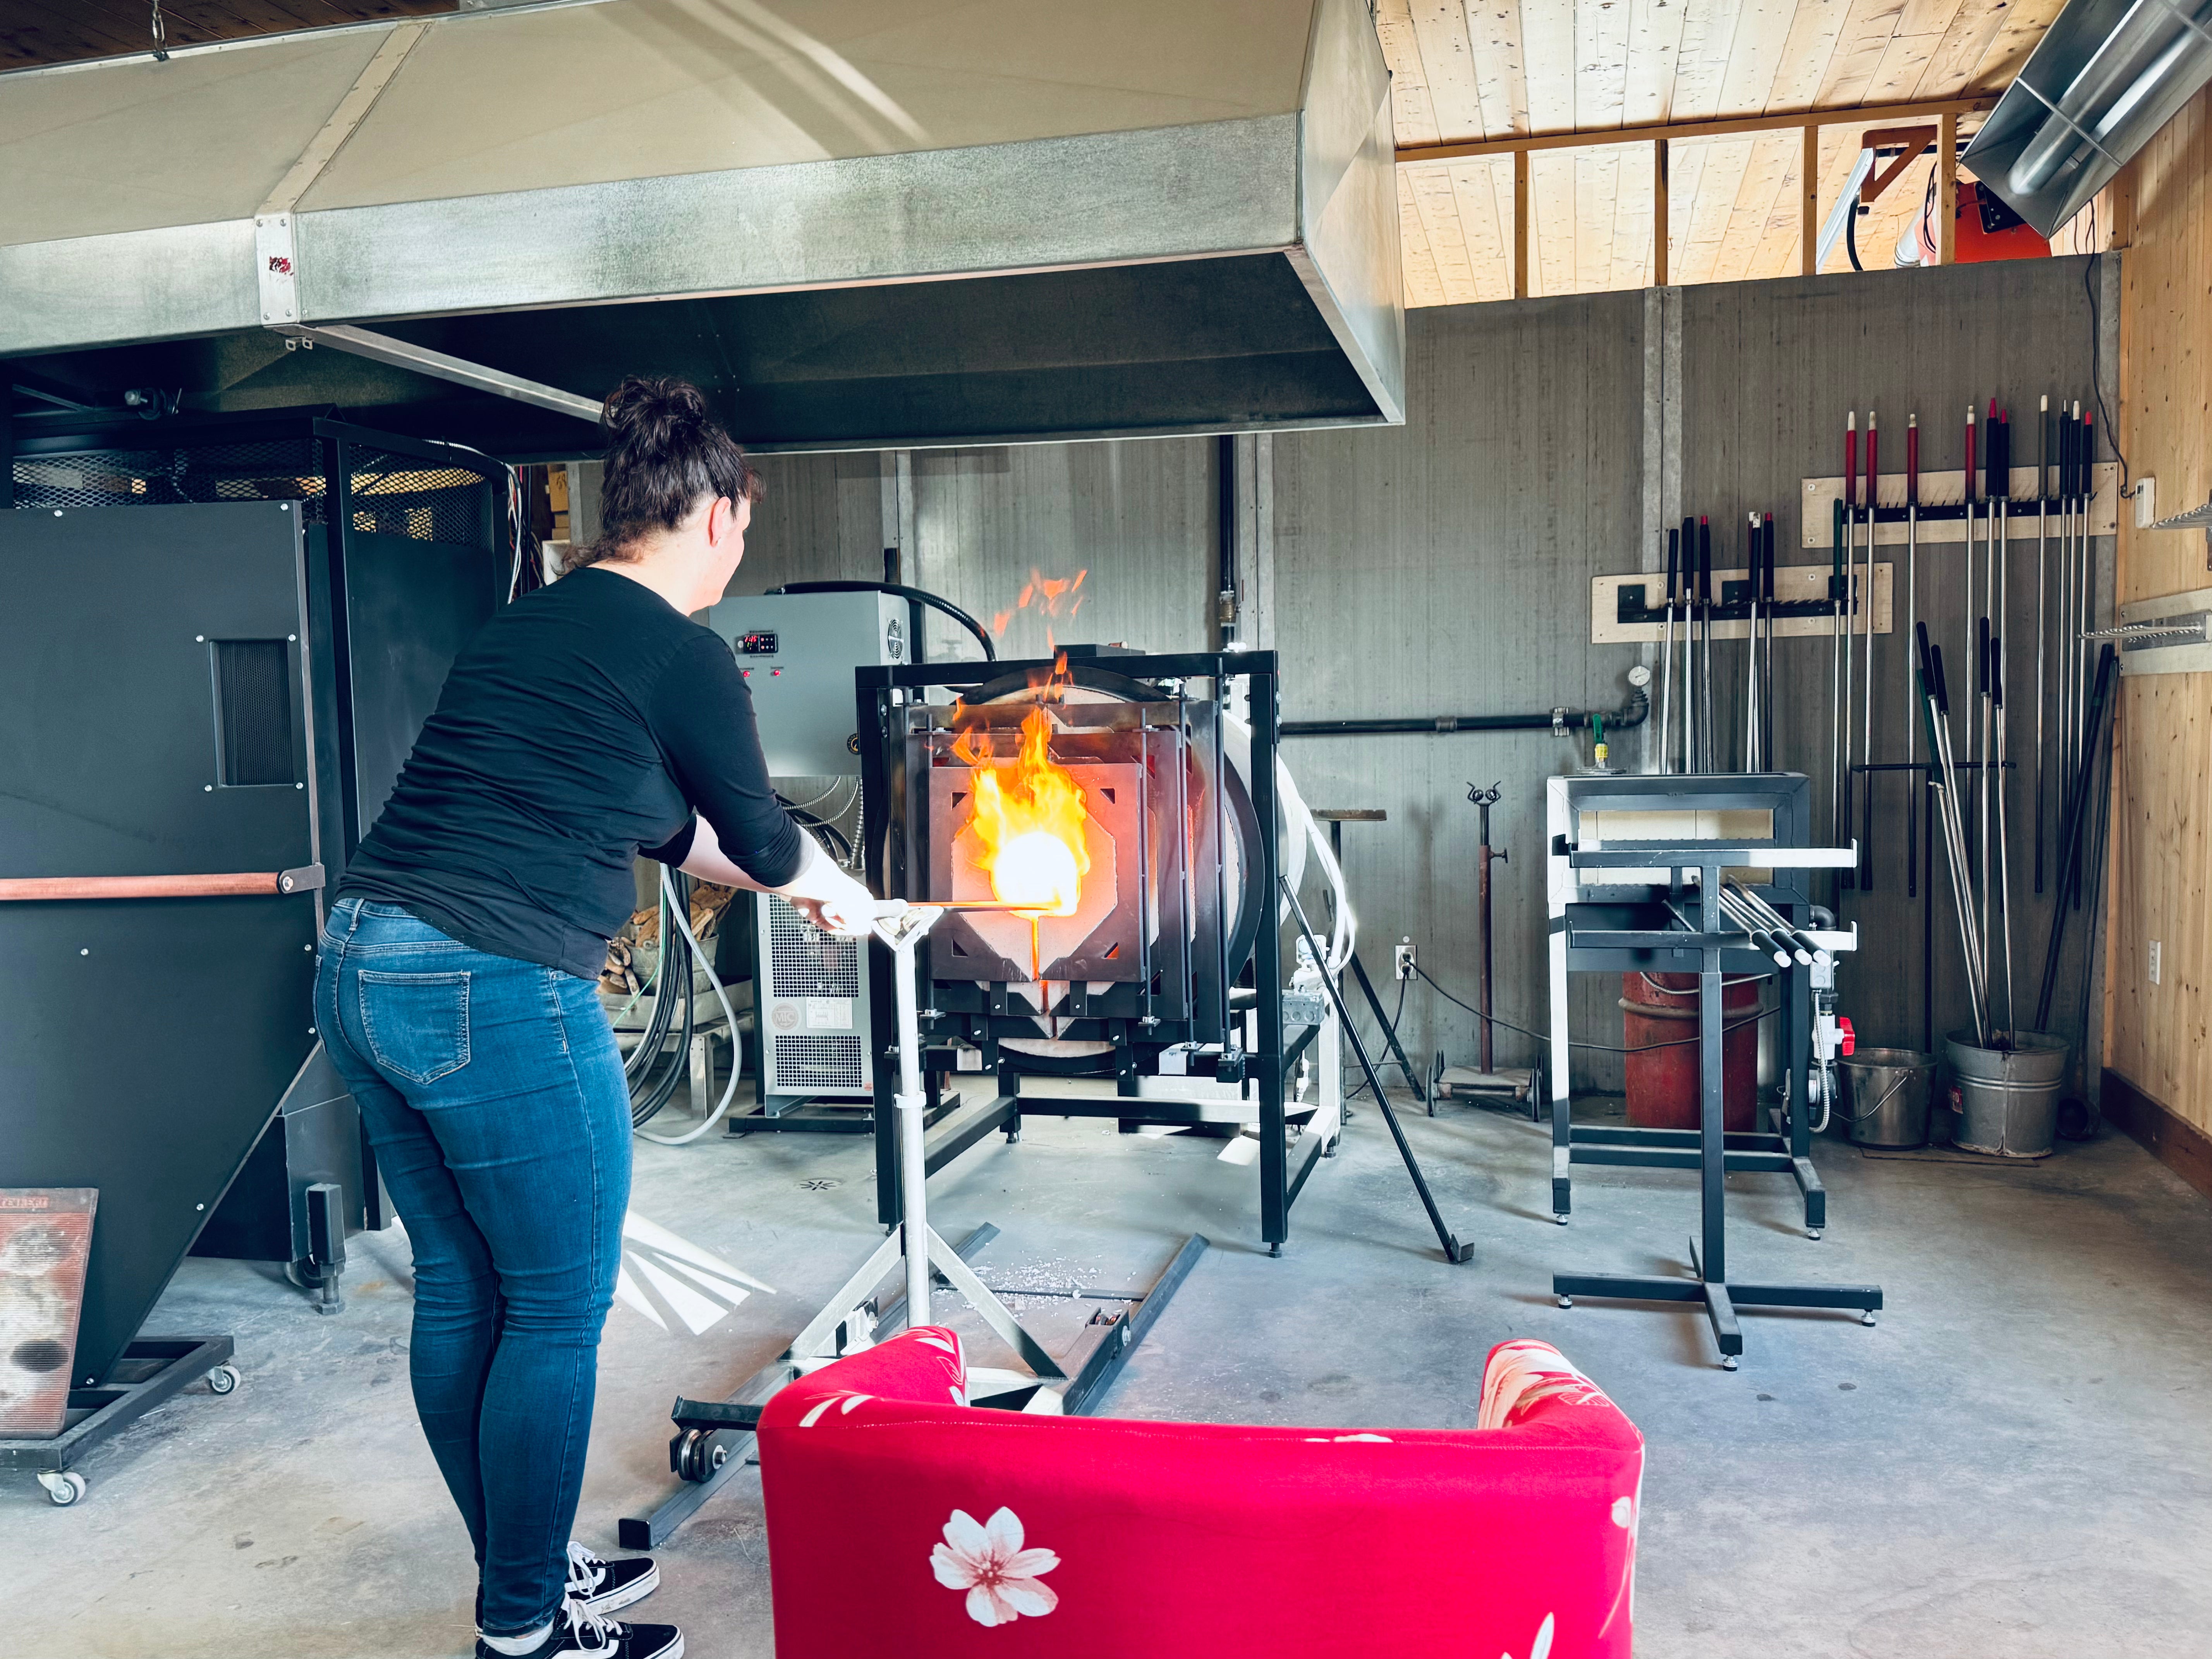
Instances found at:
x=1632 y=712
x=913 y=595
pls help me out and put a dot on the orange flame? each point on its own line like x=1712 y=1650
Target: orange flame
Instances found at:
x=1056 y=596
x=1028 y=817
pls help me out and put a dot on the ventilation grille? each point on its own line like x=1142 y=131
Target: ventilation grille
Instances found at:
x=807 y=1064
x=253 y=712
x=803 y=961
x=278 y=469
x=389 y=494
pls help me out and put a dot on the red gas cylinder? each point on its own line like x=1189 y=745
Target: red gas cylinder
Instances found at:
x=1662 y=1082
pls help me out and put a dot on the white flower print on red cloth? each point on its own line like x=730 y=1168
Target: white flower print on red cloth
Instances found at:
x=988 y=1562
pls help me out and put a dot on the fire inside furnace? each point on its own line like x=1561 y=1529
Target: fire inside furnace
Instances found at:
x=1028 y=817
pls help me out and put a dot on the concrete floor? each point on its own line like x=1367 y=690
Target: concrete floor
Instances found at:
x=2016 y=1461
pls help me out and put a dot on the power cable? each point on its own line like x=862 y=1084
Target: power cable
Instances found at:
x=1600 y=1048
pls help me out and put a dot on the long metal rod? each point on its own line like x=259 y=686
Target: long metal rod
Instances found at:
x=1710 y=751
x=421 y=360
x=1866 y=604
x=2042 y=590
x=1837 y=585
x=1453 y=1250
x=1666 y=665
x=2004 y=851
x=1911 y=629
x=1846 y=820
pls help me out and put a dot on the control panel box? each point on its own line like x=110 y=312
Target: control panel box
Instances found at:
x=798 y=652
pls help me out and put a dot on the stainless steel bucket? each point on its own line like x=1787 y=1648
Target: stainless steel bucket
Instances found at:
x=1886 y=1096
x=2008 y=1099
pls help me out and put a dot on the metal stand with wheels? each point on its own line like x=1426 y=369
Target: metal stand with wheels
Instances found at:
x=1073 y=1384
x=1714 y=938
x=152 y=1370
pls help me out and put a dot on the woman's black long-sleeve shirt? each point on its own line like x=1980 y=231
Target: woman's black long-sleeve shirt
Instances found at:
x=582 y=727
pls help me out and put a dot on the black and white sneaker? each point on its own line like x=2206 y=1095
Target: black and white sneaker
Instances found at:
x=576 y=1632
x=605 y=1587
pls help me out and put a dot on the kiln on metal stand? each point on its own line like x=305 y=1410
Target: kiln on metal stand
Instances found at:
x=851 y=1318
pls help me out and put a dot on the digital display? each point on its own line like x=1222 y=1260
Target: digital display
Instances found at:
x=757 y=645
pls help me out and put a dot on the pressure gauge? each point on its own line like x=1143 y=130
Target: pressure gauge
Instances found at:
x=1639 y=675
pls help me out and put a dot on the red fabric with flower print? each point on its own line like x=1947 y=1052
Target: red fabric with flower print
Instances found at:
x=905 y=1525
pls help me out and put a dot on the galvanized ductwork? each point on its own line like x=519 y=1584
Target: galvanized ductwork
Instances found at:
x=858 y=224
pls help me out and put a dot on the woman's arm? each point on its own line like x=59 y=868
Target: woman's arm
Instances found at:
x=825 y=895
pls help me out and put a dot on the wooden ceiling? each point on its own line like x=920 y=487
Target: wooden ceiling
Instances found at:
x=1492 y=68
x=35 y=31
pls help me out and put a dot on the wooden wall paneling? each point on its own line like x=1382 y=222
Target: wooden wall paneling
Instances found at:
x=1602 y=35
x=1766 y=177
x=1957 y=59
x=1725 y=162
x=1655 y=40
x=1597 y=200
x=1634 y=202
x=1500 y=74
x=1947 y=190
x=1551 y=228
x=1661 y=222
x=1814 y=34
x=2162 y=856
x=1701 y=65
x=1920 y=27
x=2018 y=35
x=1808 y=200
x=1868 y=30
x=1548 y=64
x=1424 y=286
x=1762 y=31
x=1439 y=28
x=1438 y=207
x=1487 y=231
x=1412 y=116
x=1685 y=164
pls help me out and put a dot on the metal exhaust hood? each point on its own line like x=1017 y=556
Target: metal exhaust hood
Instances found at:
x=858 y=223
x=2107 y=75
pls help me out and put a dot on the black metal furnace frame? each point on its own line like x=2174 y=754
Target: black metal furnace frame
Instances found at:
x=880 y=694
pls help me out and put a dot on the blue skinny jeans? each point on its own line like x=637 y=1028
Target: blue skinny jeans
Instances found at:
x=494 y=1094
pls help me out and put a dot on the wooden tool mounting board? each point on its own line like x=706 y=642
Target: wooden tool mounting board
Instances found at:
x=1792 y=582
x=1816 y=527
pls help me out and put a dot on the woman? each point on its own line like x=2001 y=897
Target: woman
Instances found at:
x=586 y=723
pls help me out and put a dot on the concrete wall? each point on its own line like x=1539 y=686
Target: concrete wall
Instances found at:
x=1444 y=567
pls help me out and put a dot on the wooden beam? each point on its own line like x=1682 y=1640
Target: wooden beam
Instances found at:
x=1520 y=224
x=1659 y=212
x=1870 y=114
x=1947 y=190
x=1808 y=206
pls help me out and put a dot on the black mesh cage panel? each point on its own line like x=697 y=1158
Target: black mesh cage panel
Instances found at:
x=274 y=470
x=441 y=500
x=253 y=712
x=448 y=499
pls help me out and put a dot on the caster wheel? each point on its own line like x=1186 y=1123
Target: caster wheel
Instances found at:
x=222 y=1379
x=1866 y=1319
x=1813 y=1232
x=699 y=1457
x=1728 y=1362
x=62 y=1489
x=1566 y=1302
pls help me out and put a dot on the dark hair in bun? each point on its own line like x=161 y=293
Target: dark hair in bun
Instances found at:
x=665 y=454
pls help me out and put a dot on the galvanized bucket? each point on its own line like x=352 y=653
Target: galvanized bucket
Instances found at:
x=1886 y=1096
x=2008 y=1099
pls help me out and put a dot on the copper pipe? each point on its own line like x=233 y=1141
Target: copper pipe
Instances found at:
x=132 y=887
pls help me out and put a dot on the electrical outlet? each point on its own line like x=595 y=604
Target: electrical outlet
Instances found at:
x=1401 y=959
x=2156 y=952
